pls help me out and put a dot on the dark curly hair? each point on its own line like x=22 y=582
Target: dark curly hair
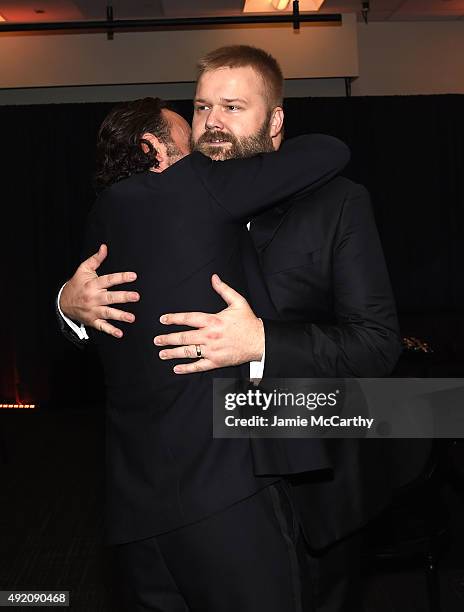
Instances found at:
x=119 y=140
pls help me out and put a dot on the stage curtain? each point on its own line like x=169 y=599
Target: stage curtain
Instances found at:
x=408 y=151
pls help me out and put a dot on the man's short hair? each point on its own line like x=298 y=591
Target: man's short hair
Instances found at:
x=242 y=56
x=119 y=140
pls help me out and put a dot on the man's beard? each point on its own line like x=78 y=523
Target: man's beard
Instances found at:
x=245 y=146
x=173 y=152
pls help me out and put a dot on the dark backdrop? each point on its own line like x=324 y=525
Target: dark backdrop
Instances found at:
x=408 y=151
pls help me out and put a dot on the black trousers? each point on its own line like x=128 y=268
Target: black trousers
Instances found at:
x=249 y=557
x=335 y=575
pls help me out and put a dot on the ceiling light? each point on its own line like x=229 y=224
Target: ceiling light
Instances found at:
x=269 y=6
x=280 y=5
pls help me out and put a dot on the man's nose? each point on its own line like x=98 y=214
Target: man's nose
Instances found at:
x=214 y=120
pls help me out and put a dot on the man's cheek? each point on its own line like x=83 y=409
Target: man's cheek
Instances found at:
x=236 y=129
x=198 y=128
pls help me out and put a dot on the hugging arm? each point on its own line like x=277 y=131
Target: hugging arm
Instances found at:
x=246 y=187
x=242 y=187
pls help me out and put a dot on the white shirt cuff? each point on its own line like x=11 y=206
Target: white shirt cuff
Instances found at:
x=80 y=331
x=257 y=367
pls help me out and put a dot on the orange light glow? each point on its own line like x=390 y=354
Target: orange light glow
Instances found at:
x=280 y=5
x=17 y=405
x=2 y=18
x=270 y=6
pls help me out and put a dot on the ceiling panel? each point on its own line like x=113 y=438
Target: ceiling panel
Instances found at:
x=62 y=10
x=397 y=10
x=53 y=10
x=431 y=7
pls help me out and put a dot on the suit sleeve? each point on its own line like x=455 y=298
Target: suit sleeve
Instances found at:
x=364 y=340
x=246 y=187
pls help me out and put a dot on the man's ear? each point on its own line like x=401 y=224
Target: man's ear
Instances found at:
x=277 y=121
x=159 y=147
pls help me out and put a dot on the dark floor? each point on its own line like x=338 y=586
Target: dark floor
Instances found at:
x=51 y=519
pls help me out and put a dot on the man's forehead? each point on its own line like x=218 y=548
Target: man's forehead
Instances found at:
x=224 y=100
x=243 y=81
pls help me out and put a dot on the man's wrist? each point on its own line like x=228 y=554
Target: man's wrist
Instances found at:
x=59 y=302
x=77 y=328
x=62 y=305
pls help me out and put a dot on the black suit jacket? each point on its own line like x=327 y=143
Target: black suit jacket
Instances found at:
x=177 y=228
x=325 y=270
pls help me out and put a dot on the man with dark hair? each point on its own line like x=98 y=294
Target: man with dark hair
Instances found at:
x=186 y=516
x=131 y=124
x=138 y=136
x=326 y=274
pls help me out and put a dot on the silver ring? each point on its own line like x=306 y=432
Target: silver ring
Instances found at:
x=198 y=349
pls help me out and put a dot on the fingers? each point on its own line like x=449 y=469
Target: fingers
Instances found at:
x=107 y=328
x=94 y=261
x=182 y=352
x=117 y=278
x=191 y=319
x=98 y=316
x=114 y=314
x=202 y=365
x=97 y=297
x=120 y=297
x=179 y=338
x=229 y=295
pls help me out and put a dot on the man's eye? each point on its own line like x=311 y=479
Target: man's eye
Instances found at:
x=201 y=107
x=232 y=107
